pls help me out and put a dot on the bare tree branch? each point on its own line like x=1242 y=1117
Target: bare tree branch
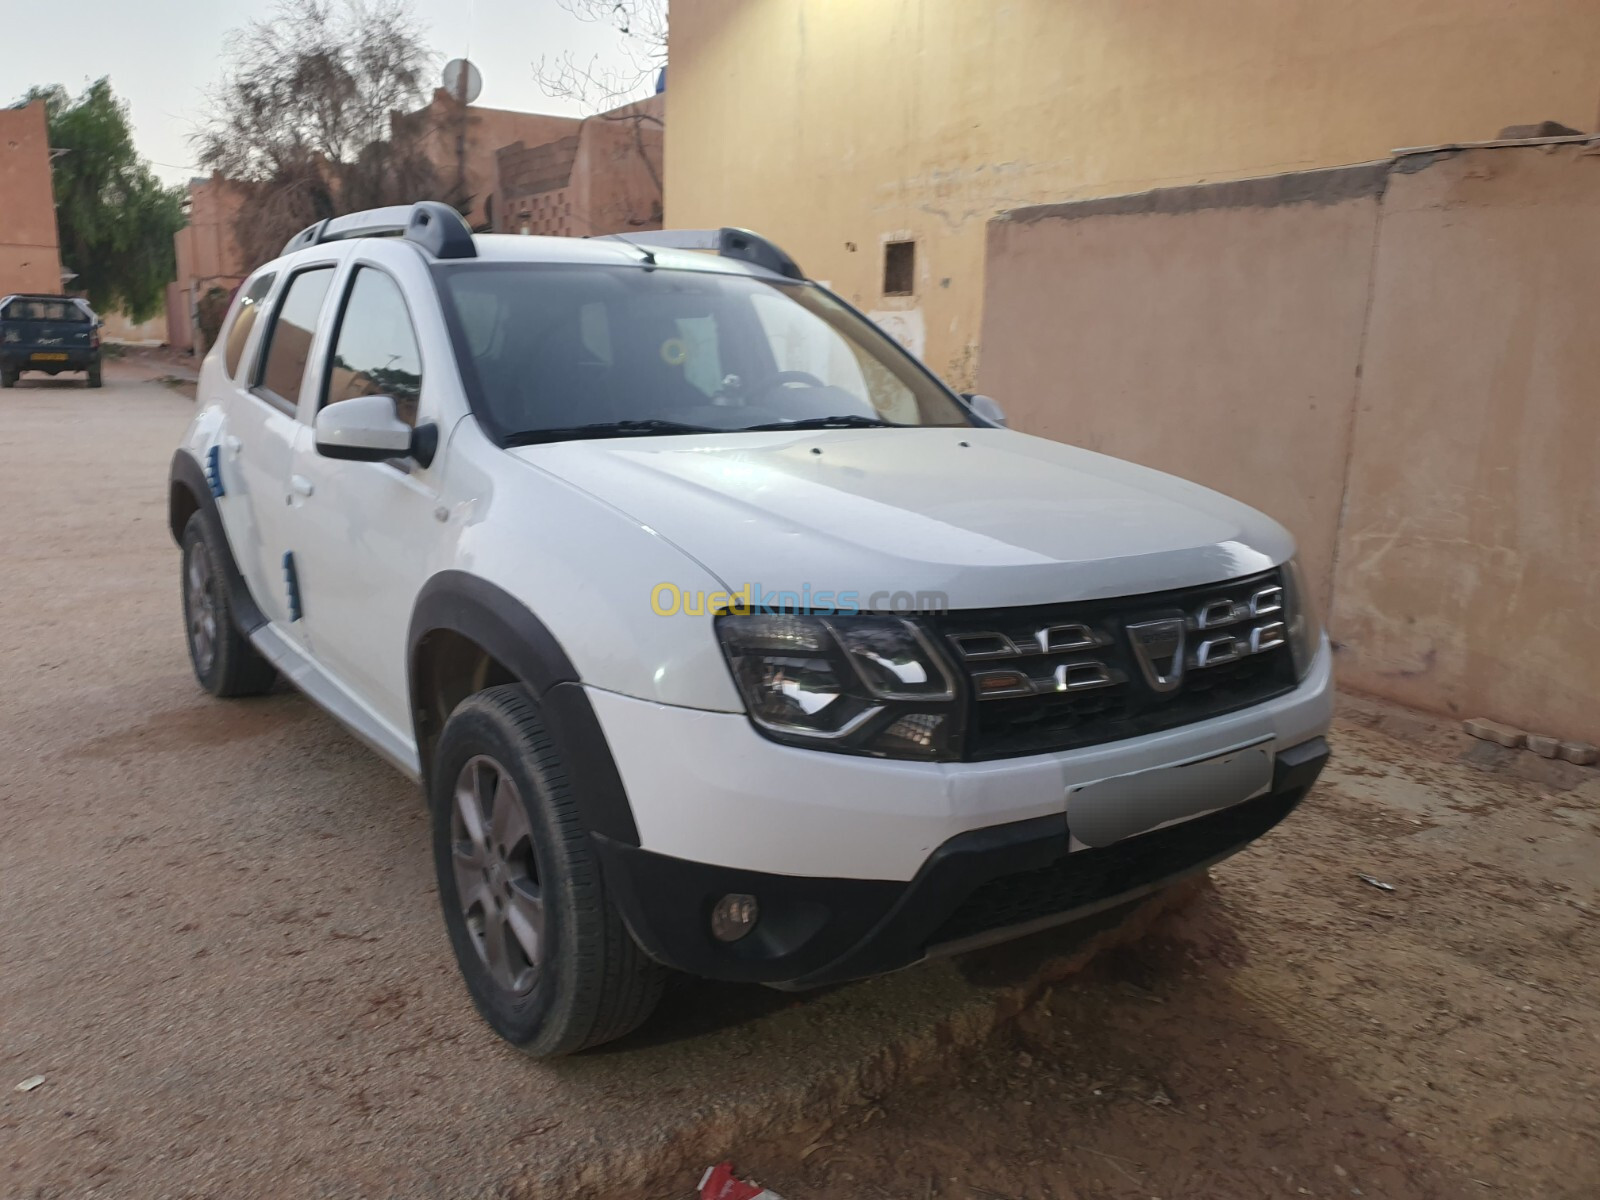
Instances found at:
x=305 y=116
x=641 y=28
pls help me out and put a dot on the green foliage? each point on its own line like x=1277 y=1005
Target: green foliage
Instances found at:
x=114 y=218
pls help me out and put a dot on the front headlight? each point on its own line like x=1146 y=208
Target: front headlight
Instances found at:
x=1305 y=626
x=857 y=684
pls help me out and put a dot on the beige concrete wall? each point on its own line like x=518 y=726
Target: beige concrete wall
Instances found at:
x=1469 y=566
x=835 y=125
x=1399 y=362
x=118 y=327
x=1212 y=332
x=617 y=174
x=207 y=248
x=180 y=326
x=29 y=258
x=208 y=254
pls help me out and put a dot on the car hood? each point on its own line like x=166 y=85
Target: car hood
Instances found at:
x=981 y=517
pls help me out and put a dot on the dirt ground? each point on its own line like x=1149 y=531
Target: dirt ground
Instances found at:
x=1298 y=1031
x=219 y=945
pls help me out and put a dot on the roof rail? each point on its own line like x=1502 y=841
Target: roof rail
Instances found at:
x=727 y=241
x=437 y=228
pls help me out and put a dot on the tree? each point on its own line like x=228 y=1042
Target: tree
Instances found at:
x=641 y=28
x=114 y=218
x=306 y=116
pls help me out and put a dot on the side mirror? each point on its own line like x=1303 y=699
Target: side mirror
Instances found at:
x=366 y=429
x=985 y=408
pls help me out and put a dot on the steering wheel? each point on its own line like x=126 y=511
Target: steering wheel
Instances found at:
x=778 y=378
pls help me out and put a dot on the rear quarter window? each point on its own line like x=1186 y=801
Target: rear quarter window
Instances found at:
x=293 y=331
x=244 y=320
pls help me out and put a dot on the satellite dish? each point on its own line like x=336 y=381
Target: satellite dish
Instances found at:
x=463 y=80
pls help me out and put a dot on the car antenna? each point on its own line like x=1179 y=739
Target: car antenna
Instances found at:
x=649 y=254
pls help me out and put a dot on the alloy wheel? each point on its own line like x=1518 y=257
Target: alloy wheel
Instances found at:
x=496 y=875
x=202 y=610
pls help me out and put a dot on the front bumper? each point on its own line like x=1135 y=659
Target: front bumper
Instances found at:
x=982 y=886
x=706 y=787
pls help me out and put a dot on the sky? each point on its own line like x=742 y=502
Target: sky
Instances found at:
x=162 y=55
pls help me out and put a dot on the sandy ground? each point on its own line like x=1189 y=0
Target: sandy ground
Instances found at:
x=1299 y=1032
x=219 y=945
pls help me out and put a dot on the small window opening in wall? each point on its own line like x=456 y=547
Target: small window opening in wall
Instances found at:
x=899 y=268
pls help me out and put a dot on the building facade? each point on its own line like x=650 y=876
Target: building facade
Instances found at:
x=463 y=140
x=209 y=260
x=30 y=258
x=604 y=177
x=874 y=141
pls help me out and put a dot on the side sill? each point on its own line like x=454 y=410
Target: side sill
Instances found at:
x=299 y=670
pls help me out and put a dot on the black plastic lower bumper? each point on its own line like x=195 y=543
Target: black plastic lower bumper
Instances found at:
x=977 y=887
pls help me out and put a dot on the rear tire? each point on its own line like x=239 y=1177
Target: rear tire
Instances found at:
x=7 y=378
x=224 y=660
x=94 y=376
x=545 y=956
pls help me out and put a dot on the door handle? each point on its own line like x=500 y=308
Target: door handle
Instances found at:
x=233 y=444
x=301 y=485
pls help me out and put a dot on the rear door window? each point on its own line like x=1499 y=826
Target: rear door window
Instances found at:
x=289 y=341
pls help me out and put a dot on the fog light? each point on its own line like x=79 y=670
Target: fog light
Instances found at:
x=734 y=916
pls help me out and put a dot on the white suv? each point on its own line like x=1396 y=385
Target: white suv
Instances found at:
x=719 y=633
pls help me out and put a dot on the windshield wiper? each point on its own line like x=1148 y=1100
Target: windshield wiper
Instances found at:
x=842 y=421
x=603 y=429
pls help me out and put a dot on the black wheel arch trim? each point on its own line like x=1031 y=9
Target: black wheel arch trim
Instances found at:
x=505 y=629
x=188 y=476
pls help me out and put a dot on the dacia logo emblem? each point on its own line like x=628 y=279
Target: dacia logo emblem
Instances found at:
x=1158 y=645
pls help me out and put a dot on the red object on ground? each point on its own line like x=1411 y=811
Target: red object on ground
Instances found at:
x=720 y=1183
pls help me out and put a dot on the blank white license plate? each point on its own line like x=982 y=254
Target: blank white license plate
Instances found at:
x=1109 y=810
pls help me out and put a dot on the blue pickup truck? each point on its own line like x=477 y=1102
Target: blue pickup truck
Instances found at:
x=49 y=334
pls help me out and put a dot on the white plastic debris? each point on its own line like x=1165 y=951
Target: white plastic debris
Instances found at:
x=1377 y=883
x=31 y=1082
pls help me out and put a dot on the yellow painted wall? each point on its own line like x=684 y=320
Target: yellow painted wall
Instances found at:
x=834 y=125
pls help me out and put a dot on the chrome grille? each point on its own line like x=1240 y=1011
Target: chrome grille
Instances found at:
x=1058 y=677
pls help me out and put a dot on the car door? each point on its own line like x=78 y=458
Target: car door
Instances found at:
x=260 y=427
x=365 y=533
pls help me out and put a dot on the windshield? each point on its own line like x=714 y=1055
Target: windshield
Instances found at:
x=551 y=351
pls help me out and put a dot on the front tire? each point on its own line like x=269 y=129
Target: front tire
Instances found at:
x=545 y=956
x=225 y=662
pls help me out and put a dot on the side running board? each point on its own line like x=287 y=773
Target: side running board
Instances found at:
x=396 y=749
